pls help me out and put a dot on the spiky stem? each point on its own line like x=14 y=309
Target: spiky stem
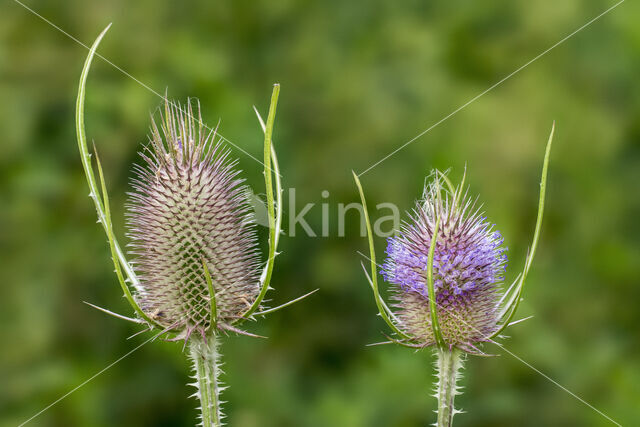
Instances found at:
x=206 y=363
x=449 y=363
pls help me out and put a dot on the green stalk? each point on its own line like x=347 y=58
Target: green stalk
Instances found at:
x=449 y=363
x=206 y=363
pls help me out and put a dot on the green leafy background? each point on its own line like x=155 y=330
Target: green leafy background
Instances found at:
x=358 y=80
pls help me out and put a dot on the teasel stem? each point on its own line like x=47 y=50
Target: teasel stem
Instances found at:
x=449 y=363
x=206 y=362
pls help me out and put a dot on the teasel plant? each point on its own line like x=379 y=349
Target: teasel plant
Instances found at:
x=445 y=268
x=195 y=272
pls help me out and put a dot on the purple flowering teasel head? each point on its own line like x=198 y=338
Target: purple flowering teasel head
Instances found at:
x=445 y=268
x=469 y=261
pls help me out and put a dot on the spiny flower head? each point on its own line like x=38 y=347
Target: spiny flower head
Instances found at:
x=468 y=265
x=189 y=209
x=445 y=266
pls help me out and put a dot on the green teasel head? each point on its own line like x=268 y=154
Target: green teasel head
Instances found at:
x=196 y=263
x=196 y=269
x=192 y=231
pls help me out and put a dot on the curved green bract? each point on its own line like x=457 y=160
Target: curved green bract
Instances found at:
x=509 y=309
x=274 y=225
x=433 y=307
x=457 y=196
x=212 y=295
x=276 y=172
x=286 y=304
x=447 y=181
x=384 y=304
x=101 y=198
x=374 y=274
x=112 y=247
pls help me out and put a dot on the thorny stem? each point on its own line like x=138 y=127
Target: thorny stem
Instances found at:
x=206 y=363
x=449 y=363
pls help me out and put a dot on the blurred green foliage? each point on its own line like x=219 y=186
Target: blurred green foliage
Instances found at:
x=358 y=80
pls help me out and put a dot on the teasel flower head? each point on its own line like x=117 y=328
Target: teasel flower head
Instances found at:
x=196 y=264
x=445 y=269
x=189 y=210
x=468 y=265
